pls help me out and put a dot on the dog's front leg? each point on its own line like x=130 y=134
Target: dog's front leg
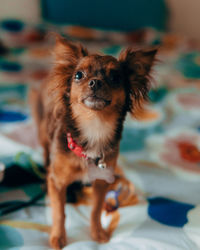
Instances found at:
x=100 y=188
x=57 y=194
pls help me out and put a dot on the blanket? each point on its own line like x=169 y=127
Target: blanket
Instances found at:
x=154 y=202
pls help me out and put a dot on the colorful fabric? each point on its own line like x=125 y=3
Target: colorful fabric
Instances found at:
x=155 y=202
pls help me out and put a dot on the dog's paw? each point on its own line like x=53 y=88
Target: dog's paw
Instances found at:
x=58 y=241
x=100 y=235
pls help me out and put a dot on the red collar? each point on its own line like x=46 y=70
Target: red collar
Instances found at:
x=78 y=150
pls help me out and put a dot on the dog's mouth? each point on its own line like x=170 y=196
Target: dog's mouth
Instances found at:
x=95 y=102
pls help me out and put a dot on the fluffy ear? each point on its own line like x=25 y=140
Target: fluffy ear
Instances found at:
x=66 y=56
x=67 y=53
x=136 y=66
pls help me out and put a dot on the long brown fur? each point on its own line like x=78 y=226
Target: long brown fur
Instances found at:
x=58 y=108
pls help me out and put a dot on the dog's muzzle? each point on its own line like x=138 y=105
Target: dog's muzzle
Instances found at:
x=96 y=103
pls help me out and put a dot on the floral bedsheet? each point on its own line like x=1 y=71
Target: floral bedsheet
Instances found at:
x=155 y=202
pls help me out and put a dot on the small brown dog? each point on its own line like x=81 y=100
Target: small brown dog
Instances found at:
x=79 y=111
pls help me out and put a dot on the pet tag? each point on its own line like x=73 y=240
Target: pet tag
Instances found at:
x=102 y=164
x=95 y=173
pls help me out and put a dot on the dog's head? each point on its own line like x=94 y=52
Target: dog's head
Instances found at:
x=101 y=82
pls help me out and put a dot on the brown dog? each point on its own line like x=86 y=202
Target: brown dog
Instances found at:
x=79 y=112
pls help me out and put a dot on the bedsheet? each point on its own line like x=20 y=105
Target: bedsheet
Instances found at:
x=155 y=202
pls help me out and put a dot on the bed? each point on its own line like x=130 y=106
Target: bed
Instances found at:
x=155 y=202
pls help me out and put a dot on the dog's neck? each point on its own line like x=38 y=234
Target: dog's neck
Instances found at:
x=96 y=129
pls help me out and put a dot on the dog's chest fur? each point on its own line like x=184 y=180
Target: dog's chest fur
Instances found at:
x=97 y=131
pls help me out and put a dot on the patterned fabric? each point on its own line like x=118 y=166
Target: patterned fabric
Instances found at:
x=155 y=202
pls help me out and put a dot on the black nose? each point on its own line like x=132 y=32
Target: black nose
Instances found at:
x=95 y=84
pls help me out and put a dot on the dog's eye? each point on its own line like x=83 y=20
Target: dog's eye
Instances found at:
x=79 y=75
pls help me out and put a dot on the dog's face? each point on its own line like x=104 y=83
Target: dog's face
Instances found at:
x=97 y=82
x=101 y=82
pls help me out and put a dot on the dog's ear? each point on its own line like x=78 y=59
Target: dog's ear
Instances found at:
x=66 y=56
x=136 y=66
x=68 y=53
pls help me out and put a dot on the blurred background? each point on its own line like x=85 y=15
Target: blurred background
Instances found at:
x=183 y=15
x=160 y=150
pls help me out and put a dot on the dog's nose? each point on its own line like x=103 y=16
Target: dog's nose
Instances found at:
x=95 y=84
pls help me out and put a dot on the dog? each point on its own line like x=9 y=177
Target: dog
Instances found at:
x=79 y=112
